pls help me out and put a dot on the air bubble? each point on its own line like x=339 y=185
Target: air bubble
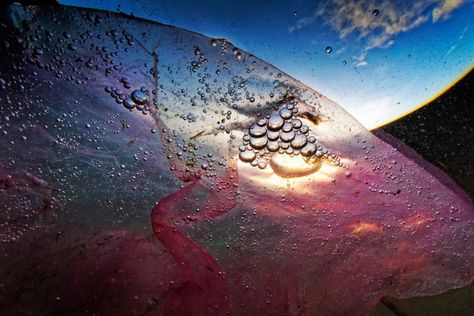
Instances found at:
x=287 y=127
x=308 y=150
x=273 y=135
x=285 y=113
x=139 y=97
x=273 y=146
x=257 y=131
x=287 y=136
x=128 y=103
x=275 y=122
x=259 y=142
x=296 y=123
x=262 y=163
x=247 y=156
x=291 y=167
x=38 y=51
x=299 y=141
x=262 y=122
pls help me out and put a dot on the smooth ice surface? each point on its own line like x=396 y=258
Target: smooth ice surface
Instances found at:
x=106 y=119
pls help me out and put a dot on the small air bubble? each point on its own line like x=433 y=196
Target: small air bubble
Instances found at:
x=128 y=103
x=247 y=156
x=139 y=97
x=262 y=163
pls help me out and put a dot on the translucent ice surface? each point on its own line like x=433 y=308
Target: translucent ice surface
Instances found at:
x=149 y=169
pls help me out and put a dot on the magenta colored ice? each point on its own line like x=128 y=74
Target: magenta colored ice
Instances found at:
x=145 y=169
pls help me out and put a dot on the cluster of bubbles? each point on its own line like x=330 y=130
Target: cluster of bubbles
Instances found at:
x=223 y=45
x=137 y=99
x=199 y=60
x=282 y=132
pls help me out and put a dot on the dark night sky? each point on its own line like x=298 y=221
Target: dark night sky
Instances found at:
x=443 y=132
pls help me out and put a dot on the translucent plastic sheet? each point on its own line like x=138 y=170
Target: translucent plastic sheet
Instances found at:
x=148 y=169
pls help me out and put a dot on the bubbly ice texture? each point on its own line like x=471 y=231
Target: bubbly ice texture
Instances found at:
x=105 y=118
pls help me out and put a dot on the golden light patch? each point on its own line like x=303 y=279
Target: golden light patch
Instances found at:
x=269 y=180
x=416 y=221
x=365 y=227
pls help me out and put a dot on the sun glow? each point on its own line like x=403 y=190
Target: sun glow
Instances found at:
x=268 y=179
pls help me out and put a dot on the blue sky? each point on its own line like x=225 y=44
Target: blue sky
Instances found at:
x=381 y=66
